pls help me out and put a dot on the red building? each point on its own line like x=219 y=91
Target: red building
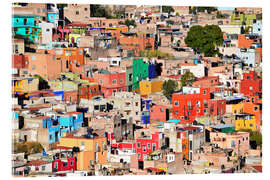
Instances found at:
x=217 y=107
x=19 y=61
x=89 y=91
x=146 y=145
x=66 y=164
x=158 y=113
x=190 y=103
x=251 y=85
x=110 y=82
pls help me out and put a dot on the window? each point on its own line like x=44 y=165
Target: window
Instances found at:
x=68 y=53
x=65 y=164
x=250 y=88
x=144 y=157
x=148 y=146
x=54 y=57
x=71 y=163
x=77 y=12
x=204 y=91
x=96 y=146
x=100 y=81
x=103 y=144
x=43 y=168
x=33 y=67
x=138 y=145
x=25 y=21
x=176 y=103
x=121 y=81
x=81 y=51
x=139 y=155
x=144 y=148
x=33 y=57
x=198 y=103
x=56 y=165
x=198 y=110
x=114 y=81
x=38 y=10
x=255 y=108
x=251 y=125
x=161 y=109
x=136 y=103
x=233 y=144
x=205 y=110
x=246 y=138
x=176 y=112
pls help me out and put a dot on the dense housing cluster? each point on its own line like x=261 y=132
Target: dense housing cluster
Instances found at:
x=121 y=90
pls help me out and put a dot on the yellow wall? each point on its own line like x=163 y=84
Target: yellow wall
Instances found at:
x=76 y=36
x=71 y=142
x=237 y=108
x=24 y=86
x=147 y=88
x=246 y=124
x=231 y=29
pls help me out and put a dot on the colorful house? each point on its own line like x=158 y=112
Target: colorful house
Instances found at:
x=243 y=19
x=146 y=145
x=89 y=91
x=158 y=113
x=24 y=84
x=140 y=72
x=245 y=122
x=251 y=84
x=27 y=27
x=149 y=87
x=110 y=82
x=191 y=103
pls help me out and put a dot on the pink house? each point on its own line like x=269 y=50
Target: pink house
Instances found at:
x=238 y=141
x=158 y=113
x=110 y=82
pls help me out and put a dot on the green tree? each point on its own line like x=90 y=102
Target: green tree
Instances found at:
x=130 y=22
x=167 y=9
x=168 y=88
x=29 y=147
x=205 y=39
x=187 y=79
x=99 y=11
x=254 y=137
x=43 y=84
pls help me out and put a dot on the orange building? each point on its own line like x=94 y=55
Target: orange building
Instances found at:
x=243 y=42
x=72 y=58
x=44 y=64
x=89 y=91
x=92 y=150
x=254 y=106
x=131 y=41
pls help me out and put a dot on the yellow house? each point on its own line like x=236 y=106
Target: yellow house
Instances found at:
x=245 y=121
x=24 y=84
x=76 y=37
x=92 y=150
x=237 y=108
x=149 y=87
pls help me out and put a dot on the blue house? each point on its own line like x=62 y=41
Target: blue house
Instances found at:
x=53 y=130
x=247 y=55
x=152 y=73
x=146 y=111
x=27 y=27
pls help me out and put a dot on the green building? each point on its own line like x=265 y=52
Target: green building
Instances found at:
x=139 y=71
x=243 y=19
